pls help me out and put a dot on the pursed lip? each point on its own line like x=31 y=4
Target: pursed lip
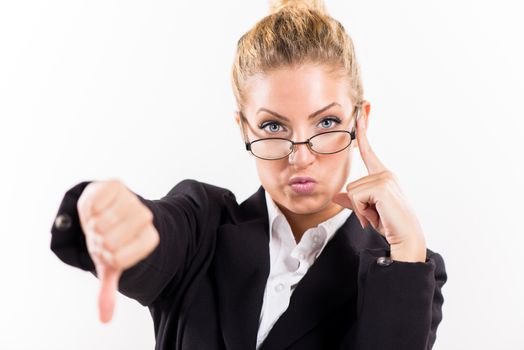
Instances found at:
x=301 y=179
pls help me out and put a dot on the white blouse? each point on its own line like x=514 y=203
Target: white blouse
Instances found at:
x=290 y=261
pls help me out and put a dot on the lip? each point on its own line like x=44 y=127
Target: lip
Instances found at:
x=301 y=179
x=302 y=184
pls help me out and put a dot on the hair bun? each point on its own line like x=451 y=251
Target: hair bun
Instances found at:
x=316 y=5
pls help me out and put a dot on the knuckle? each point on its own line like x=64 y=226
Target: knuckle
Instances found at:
x=110 y=244
x=110 y=218
x=96 y=225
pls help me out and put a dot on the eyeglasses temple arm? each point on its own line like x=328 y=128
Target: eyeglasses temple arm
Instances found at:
x=246 y=141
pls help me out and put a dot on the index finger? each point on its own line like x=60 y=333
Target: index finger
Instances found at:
x=373 y=164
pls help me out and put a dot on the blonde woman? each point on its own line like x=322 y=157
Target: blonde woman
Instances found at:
x=306 y=262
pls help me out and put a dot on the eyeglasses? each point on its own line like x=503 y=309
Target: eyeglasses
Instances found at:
x=273 y=148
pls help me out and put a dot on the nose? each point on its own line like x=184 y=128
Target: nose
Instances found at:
x=301 y=156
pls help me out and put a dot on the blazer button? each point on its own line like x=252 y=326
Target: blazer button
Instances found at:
x=63 y=222
x=384 y=261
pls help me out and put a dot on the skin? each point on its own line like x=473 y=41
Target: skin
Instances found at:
x=118 y=231
x=376 y=199
x=296 y=93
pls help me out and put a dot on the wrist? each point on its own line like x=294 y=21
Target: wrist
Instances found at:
x=409 y=252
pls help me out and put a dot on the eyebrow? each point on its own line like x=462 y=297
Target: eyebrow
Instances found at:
x=312 y=115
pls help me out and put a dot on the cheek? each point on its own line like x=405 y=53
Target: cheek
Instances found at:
x=269 y=172
x=336 y=171
x=337 y=164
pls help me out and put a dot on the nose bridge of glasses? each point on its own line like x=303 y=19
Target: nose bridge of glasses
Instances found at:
x=294 y=146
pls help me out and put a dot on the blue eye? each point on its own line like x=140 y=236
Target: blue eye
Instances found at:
x=273 y=126
x=330 y=119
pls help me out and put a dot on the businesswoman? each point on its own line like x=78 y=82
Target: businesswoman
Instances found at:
x=307 y=261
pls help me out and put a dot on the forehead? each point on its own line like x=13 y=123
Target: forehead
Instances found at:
x=297 y=91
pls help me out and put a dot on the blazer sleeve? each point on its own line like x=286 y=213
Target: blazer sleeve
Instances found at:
x=399 y=303
x=182 y=219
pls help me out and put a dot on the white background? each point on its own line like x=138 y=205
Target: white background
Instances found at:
x=133 y=89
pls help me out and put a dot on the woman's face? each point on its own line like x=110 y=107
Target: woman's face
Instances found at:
x=295 y=94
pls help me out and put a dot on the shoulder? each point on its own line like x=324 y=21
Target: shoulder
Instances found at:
x=207 y=199
x=199 y=189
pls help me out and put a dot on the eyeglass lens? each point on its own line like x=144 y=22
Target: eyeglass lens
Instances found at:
x=330 y=142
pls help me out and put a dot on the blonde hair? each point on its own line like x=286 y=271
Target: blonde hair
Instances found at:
x=294 y=33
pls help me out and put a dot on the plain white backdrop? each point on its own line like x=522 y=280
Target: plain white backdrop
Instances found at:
x=140 y=91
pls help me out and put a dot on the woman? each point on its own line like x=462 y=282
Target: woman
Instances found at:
x=301 y=264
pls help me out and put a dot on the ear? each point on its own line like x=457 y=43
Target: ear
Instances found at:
x=365 y=109
x=237 y=120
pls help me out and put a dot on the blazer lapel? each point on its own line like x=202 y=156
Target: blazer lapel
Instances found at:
x=328 y=284
x=241 y=271
x=242 y=267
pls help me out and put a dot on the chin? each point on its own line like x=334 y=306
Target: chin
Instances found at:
x=305 y=204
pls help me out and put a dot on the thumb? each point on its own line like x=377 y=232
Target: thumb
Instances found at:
x=343 y=200
x=109 y=277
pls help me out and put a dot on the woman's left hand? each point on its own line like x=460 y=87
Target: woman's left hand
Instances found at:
x=377 y=199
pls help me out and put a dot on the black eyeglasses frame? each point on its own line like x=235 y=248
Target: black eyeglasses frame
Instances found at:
x=248 y=143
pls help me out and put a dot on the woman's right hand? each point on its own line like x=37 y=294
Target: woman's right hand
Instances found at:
x=119 y=232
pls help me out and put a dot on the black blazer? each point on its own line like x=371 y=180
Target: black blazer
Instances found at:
x=204 y=282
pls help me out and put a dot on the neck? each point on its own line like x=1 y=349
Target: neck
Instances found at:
x=300 y=223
